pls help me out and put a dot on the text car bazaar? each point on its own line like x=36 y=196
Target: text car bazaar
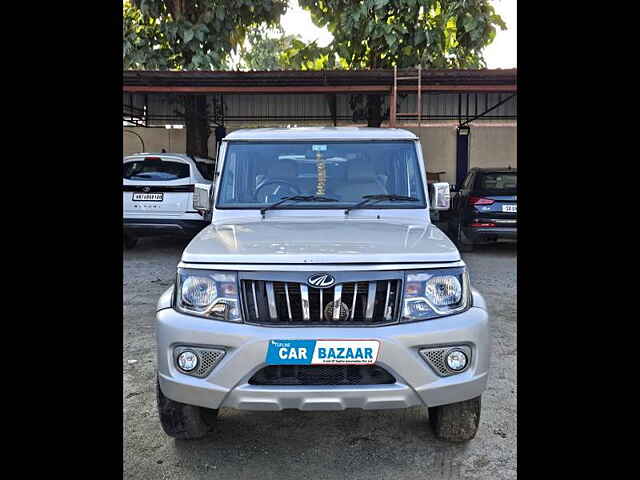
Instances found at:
x=287 y=352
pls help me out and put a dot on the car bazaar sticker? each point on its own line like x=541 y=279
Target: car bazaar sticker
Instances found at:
x=322 y=352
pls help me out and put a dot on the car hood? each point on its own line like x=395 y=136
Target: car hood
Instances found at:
x=316 y=240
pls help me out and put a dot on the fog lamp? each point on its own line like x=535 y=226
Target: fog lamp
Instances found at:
x=187 y=361
x=456 y=360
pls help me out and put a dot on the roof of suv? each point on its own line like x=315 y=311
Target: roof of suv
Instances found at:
x=321 y=133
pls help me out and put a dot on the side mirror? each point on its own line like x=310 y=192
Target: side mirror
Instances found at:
x=202 y=197
x=441 y=198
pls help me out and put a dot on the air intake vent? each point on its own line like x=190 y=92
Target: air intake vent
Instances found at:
x=322 y=375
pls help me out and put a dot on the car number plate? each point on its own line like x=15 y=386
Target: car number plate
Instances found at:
x=510 y=208
x=322 y=352
x=148 y=197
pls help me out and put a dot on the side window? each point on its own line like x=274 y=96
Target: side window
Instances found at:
x=205 y=169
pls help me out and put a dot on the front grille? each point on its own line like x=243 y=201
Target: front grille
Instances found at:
x=293 y=303
x=322 y=375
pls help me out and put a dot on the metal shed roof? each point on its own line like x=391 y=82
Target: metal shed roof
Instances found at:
x=318 y=81
x=275 y=98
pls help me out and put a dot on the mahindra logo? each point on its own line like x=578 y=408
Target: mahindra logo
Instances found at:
x=146 y=189
x=321 y=280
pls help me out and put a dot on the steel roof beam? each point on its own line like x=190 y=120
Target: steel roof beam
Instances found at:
x=316 y=89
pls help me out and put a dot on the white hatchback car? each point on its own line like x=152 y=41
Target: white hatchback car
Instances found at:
x=157 y=194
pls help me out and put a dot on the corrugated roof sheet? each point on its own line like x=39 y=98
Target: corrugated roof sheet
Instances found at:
x=319 y=78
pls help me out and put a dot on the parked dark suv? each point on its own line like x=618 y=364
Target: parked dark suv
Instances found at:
x=485 y=207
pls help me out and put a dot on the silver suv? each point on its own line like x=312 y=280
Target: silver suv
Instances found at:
x=321 y=284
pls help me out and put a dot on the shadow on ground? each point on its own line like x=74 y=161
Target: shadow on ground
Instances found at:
x=347 y=444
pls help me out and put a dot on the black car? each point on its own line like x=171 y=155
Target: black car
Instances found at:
x=485 y=207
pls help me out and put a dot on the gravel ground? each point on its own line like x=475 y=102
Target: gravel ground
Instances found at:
x=387 y=444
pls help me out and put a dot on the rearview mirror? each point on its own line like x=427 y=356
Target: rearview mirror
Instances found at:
x=202 y=197
x=441 y=198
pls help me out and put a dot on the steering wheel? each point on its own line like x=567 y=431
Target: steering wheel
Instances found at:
x=279 y=189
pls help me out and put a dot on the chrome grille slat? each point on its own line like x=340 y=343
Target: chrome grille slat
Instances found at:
x=289 y=303
x=386 y=302
x=271 y=299
x=286 y=293
x=304 y=294
x=353 y=303
x=371 y=299
x=337 y=302
x=255 y=299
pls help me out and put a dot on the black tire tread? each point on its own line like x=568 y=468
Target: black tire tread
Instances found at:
x=182 y=421
x=130 y=242
x=456 y=422
x=462 y=242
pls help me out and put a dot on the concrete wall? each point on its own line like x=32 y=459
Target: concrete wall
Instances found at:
x=492 y=145
x=155 y=139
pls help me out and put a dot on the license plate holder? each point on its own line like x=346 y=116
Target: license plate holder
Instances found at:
x=148 y=197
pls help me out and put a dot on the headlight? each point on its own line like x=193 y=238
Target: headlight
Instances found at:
x=444 y=290
x=435 y=293
x=208 y=293
x=199 y=292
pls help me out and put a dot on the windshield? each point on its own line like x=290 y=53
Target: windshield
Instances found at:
x=259 y=174
x=155 y=170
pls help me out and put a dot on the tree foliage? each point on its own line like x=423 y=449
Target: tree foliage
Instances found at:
x=272 y=49
x=191 y=34
x=264 y=48
x=406 y=33
x=310 y=56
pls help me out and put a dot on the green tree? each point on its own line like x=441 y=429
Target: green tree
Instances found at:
x=264 y=48
x=310 y=56
x=191 y=35
x=406 y=33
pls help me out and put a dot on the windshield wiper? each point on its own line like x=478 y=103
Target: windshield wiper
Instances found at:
x=297 y=198
x=369 y=199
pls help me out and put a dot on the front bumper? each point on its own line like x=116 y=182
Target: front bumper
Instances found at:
x=246 y=346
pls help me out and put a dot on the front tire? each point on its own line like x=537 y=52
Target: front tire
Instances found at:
x=182 y=421
x=130 y=241
x=456 y=422
x=464 y=244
